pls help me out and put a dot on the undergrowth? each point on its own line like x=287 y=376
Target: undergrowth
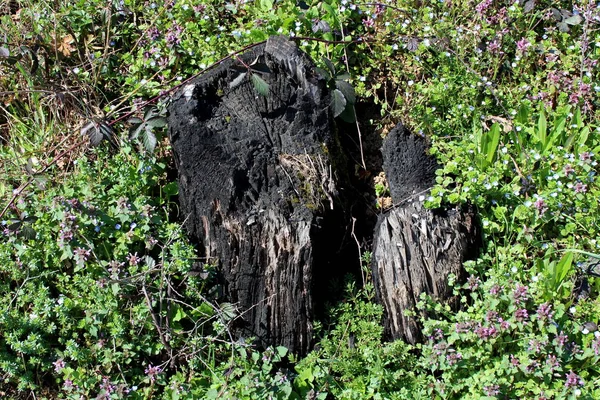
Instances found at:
x=104 y=296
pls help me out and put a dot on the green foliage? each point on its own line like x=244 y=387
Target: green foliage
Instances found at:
x=103 y=295
x=97 y=283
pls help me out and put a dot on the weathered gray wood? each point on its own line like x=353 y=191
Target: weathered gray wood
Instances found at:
x=254 y=176
x=415 y=249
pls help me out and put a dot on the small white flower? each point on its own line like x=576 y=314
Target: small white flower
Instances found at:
x=514 y=270
x=572 y=310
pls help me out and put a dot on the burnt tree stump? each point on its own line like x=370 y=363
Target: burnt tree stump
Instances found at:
x=256 y=180
x=415 y=249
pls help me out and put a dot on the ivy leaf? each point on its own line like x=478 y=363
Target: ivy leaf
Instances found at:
x=149 y=140
x=260 y=85
x=238 y=80
x=338 y=102
x=347 y=90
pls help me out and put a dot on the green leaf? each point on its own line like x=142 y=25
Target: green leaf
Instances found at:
x=542 y=129
x=574 y=20
x=238 y=80
x=338 y=102
x=149 y=140
x=260 y=85
x=330 y=66
x=157 y=122
x=179 y=314
x=347 y=90
x=93 y=132
x=282 y=351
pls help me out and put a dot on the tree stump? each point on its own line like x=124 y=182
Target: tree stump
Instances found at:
x=415 y=249
x=255 y=180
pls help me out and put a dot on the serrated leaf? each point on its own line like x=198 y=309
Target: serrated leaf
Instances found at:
x=157 y=122
x=347 y=90
x=529 y=6
x=150 y=262
x=238 y=80
x=105 y=128
x=330 y=66
x=260 y=85
x=338 y=102
x=92 y=131
x=227 y=311
x=4 y=52
x=413 y=44
x=149 y=140
x=134 y=131
x=321 y=26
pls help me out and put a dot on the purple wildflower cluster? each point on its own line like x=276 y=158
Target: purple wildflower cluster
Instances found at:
x=573 y=380
x=173 y=36
x=152 y=372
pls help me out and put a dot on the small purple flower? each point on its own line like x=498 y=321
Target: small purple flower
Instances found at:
x=68 y=385
x=495 y=290
x=473 y=282
x=174 y=35
x=491 y=316
x=540 y=205
x=562 y=339
x=521 y=314
x=492 y=390
x=520 y=293
x=106 y=388
x=568 y=170
x=523 y=45
x=482 y=7
x=585 y=156
x=81 y=255
x=573 y=380
x=453 y=358
x=514 y=361
x=369 y=22
x=153 y=33
x=59 y=365
x=580 y=188
x=133 y=259
x=152 y=371
x=552 y=362
x=494 y=47
x=485 y=332
x=504 y=325
x=545 y=312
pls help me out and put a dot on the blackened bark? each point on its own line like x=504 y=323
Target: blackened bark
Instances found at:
x=254 y=176
x=415 y=249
